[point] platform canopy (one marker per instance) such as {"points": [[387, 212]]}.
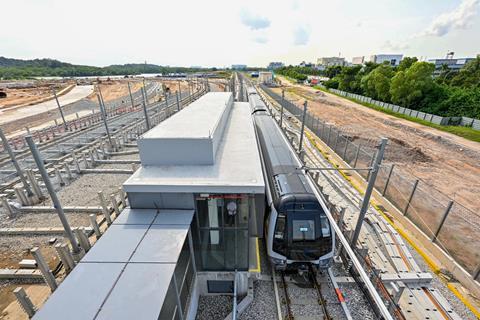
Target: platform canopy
{"points": [[126, 275], [209, 147]]}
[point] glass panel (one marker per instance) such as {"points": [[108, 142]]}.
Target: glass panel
{"points": [[230, 248], [280, 227], [242, 249], [212, 253], [325, 225], [303, 230]]}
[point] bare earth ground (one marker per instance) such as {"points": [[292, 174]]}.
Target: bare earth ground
{"points": [[443, 160], [33, 95], [114, 89]]}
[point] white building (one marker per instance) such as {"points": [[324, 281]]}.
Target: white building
{"points": [[358, 60], [392, 59], [265, 77], [330, 61]]}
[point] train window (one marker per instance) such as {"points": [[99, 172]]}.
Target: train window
{"points": [[325, 225], [280, 227], [303, 230]]}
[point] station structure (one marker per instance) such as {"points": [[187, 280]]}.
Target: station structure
{"points": [[195, 214]]}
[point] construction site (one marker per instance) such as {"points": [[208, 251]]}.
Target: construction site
{"points": [[152, 198]]}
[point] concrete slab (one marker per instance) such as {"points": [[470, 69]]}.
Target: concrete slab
{"points": [[135, 298], [81, 294], [161, 244], [116, 245]]}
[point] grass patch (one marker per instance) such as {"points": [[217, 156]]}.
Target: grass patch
{"points": [[464, 132]]}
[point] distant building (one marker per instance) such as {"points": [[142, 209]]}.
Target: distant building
{"points": [[275, 65], [330, 62], [239, 66], [392, 59], [265, 77], [454, 64], [306, 64], [358, 60]]}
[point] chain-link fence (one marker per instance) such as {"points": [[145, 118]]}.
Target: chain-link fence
{"points": [[446, 222]]}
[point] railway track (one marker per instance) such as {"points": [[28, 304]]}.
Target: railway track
{"points": [[303, 295]]}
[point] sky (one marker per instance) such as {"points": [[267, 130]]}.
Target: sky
{"points": [[224, 32]]}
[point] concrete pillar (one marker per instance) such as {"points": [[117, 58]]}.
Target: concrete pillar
{"points": [[122, 197], [113, 199], [24, 301], [7, 206], [59, 176], [68, 254], [82, 238], [95, 226], [77, 165], [68, 171], [106, 211], [34, 183], [65, 261], [84, 159], [21, 196], [44, 269]]}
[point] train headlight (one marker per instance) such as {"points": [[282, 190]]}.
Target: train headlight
{"points": [[279, 261]]}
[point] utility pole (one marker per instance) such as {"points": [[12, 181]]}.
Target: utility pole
{"points": [[281, 108], [104, 118], [60, 109], [144, 93], [7, 147], [300, 145], [53, 195], [368, 192], [130, 93]]}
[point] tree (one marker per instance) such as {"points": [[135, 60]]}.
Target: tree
{"points": [[332, 71], [348, 79], [406, 63], [409, 88], [376, 84], [469, 76]]}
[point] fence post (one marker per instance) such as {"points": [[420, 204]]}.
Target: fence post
{"points": [[388, 179], [336, 141], [370, 165], [410, 198], [476, 274], [24, 301], [345, 150], [444, 217], [328, 137], [178, 102], [300, 144], [281, 108]]}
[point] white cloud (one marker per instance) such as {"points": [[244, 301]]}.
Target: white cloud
{"points": [[301, 35], [459, 18], [260, 39], [395, 46], [254, 22]]}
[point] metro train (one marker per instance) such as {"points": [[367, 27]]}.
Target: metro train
{"points": [[296, 229]]}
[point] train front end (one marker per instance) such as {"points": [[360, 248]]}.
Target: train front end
{"points": [[300, 233]]}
